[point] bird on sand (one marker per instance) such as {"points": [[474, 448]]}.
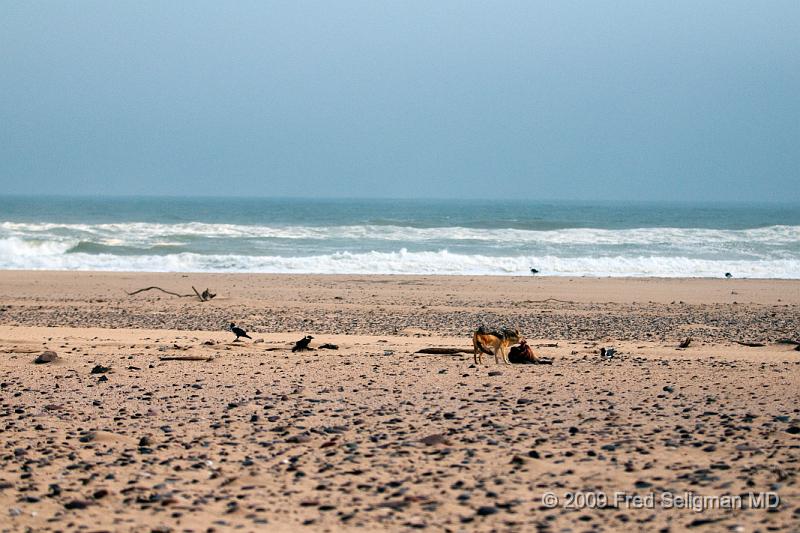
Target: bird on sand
{"points": [[302, 344], [728, 275], [239, 332], [534, 271]]}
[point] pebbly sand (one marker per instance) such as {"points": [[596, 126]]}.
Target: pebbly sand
{"points": [[374, 436]]}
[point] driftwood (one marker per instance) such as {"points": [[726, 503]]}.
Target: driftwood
{"points": [[548, 300], [205, 296], [185, 358], [159, 289], [20, 350], [686, 343], [751, 344], [537, 361], [444, 351], [547, 345]]}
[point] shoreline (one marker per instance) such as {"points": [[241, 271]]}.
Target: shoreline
{"points": [[391, 275]]}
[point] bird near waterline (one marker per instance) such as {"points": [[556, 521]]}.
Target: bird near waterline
{"points": [[239, 332], [534, 271]]}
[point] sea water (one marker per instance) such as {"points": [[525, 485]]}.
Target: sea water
{"points": [[494, 237]]}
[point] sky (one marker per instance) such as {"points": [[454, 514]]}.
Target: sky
{"points": [[616, 100]]}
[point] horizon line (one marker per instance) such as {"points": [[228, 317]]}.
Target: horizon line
{"points": [[123, 196]]}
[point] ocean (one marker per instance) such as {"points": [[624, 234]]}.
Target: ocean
{"points": [[487, 237]]}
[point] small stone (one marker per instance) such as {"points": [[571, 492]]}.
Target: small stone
{"points": [[46, 357], [487, 510], [432, 440], [495, 373], [88, 436], [76, 504], [793, 430], [100, 369]]}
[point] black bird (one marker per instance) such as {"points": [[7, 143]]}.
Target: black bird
{"points": [[728, 275], [302, 344], [239, 332], [534, 271]]}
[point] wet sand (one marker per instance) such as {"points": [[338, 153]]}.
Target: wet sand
{"points": [[374, 436]]}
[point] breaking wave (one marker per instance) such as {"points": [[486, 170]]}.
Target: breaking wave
{"points": [[767, 252]]}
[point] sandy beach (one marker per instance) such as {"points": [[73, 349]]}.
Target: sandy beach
{"points": [[375, 436]]}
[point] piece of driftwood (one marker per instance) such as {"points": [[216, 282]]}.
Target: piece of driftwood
{"points": [[547, 345], [159, 289], [205, 296], [20, 350], [185, 358], [444, 351], [686, 343], [329, 346], [751, 344]]}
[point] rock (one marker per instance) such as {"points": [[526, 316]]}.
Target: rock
{"points": [[89, 436], [495, 373], [487, 510], [433, 440], [145, 441], [76, 504], [793, 430], [46, 357], [668, 388], [100, 369], [329, 346]]}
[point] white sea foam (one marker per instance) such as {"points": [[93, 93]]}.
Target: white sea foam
{"points": [[768, 252], [18, 254], [146, 233]]}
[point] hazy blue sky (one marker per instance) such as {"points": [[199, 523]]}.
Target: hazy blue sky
{"points": [[557, 99]]}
